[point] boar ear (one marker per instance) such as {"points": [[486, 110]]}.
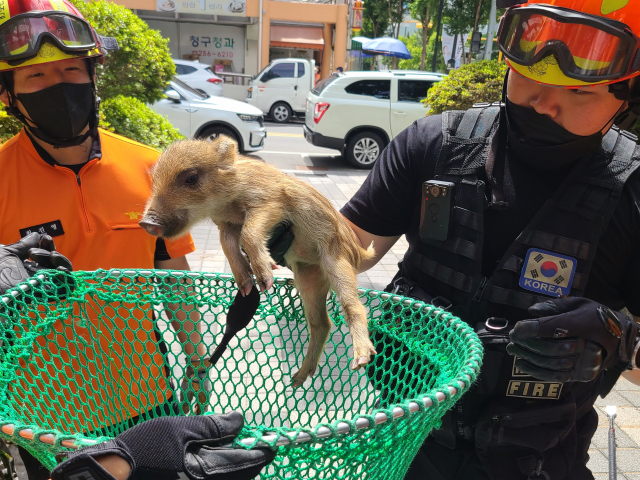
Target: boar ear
{"points": [[226, 150]]}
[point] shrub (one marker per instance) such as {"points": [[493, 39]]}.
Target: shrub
{"points": [[143, 65], [133, 119], [473, 83], [9, 126]]}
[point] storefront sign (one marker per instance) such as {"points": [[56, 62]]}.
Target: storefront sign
{"points": [[213, 42], [204, 7]]}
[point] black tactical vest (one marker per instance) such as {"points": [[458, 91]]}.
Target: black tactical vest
{"points": [[569, 225]]}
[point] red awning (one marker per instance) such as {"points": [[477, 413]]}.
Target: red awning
{"points": [[297, 37]]}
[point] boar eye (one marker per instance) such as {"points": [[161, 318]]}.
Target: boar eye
{"points": [[191, 179]]}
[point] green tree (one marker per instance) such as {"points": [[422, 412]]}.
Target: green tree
{"points": [[460, 16], [424, 11], [375, 18], [133, 119], [143, 66], [9, 125], [414, 45], [477, 82]]}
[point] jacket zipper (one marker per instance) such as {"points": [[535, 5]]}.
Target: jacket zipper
{"points": [[478, 295], [82, 201], [81, 193]]}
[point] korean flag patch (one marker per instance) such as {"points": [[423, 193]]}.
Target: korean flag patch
{"points": [[547, 272]]}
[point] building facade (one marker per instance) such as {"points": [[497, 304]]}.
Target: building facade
{"points": [[235, 36]]}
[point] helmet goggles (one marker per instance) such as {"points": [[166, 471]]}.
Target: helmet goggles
{"points": [[588, 48], [22, 36]]}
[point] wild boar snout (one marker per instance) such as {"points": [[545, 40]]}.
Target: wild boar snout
{"points": [[153, 225]]}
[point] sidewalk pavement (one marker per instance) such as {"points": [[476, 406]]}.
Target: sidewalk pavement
{"points": [[338, 187]]}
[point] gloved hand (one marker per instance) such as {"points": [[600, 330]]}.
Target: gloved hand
{"points": [[23, 259], [279, 242], [161, 448], [572, 340], [195, 384]]}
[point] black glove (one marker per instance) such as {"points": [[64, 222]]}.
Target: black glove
{"points": [[23, 259], [572, 340], [160, 448], [279, 242]]}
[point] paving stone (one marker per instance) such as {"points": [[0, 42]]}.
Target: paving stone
{"points": [[628, 459], [633, 433], [623, 440], [598, 463], [614, 398]]}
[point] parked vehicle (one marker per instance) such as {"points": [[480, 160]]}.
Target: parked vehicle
{"points": [[197, 115], [358, 113], [199, 76], [280, 89]]}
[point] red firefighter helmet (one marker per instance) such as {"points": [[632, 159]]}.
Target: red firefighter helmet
{"points": [[33, 32], [573, 43]]}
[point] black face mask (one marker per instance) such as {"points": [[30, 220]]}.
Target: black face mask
{"points": [[537, 140], [61, 111]]}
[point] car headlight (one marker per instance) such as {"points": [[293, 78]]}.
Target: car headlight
{"points": [[249, 118]]}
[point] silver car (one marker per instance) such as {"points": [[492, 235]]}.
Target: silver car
{"points": [[197, 115]]}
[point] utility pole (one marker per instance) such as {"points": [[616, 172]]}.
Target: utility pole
{"points": [[488, 46], [438, 28]]}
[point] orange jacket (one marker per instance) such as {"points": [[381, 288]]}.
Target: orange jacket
{"points": [[98, 210]]}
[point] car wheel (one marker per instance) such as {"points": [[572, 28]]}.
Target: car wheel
{"points": [[280, 112], [211, 133], [364, 149]]}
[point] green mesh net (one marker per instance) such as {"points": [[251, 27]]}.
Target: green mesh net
{"points": [[85, 356]]}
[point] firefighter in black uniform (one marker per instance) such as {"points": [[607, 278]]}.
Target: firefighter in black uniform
{"points": [[541, 250]]}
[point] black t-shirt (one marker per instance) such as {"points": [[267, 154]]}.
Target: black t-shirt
{"points": [[388, 204]]}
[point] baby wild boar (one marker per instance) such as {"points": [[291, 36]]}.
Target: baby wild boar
{"points": [[246, 199]]}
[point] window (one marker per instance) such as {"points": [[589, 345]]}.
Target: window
{"points": [[324, 83], [300, 70], [184, 86], [280, 70], [413, 90], [371, 88], [185, 69]]}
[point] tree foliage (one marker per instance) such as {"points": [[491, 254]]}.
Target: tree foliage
{"points": [[375, 18], [473, 83], [143, 65], [9, 125], [424, 11], [414, 45], [133, 119]]}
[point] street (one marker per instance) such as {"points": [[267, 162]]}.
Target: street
{"points": [[286, 148]]}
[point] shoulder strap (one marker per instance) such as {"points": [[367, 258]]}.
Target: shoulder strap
{"points": [[478, 120], [466, 138]]}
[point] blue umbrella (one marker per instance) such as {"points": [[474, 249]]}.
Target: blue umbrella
{"points": [[361, 39], [390, 47]]}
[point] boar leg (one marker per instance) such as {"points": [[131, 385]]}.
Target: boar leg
{"points": [[257, 225], [230, 241], [342, 278], [313, 287]]}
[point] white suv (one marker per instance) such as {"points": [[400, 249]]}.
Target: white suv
{"points": [[359, 113]]}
